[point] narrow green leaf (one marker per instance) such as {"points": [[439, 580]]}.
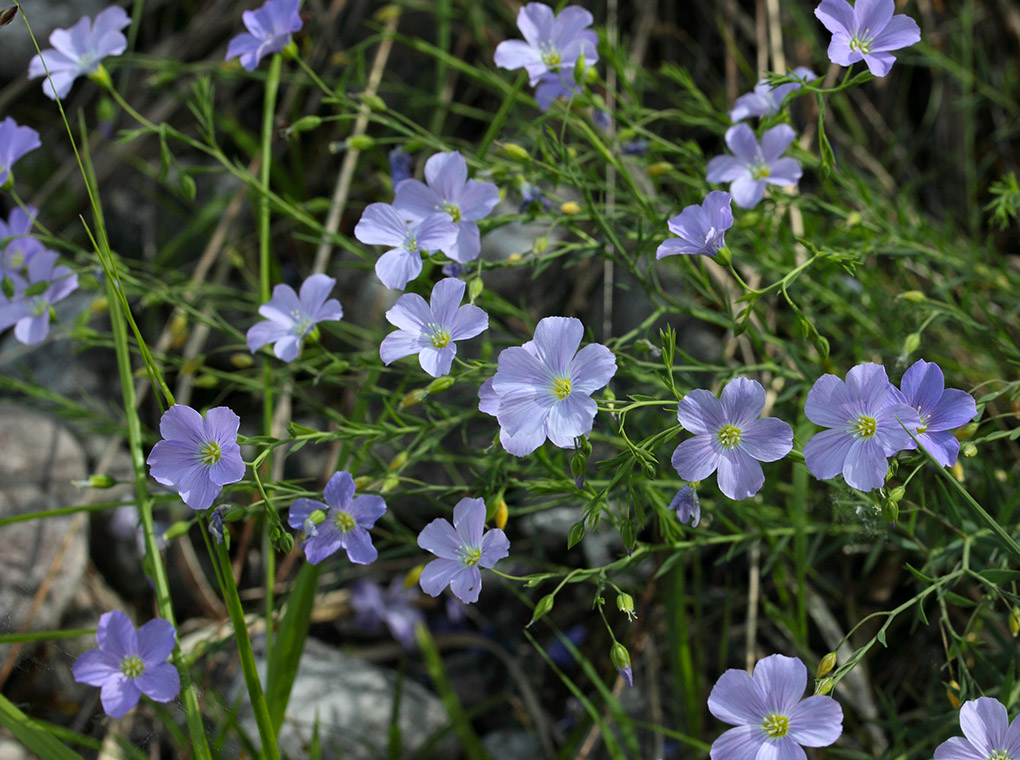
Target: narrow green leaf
{"points": [[32, 734], [290, 642]]}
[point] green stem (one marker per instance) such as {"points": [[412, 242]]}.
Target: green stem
{"points": [[270, 750]]}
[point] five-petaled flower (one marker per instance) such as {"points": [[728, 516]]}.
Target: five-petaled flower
{"points": [[542, 389], [129, 663], [432, 329], [989, 733], [771, 719], [687, 505], [730, 438], [289, 318], [197, 456], [348, 518], [924, 387], [15, 141], [700, 229], [36, 282], [553, 43], [867, 425], [767, 100], [79, 51], [393, 606], [866, 32], [462, 548], [269, 31], [752, 166], [448, 190], [408, 236]]}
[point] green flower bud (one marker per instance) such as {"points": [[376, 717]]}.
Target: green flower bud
{"points": [[826, 665], [914, 296], [824, 686], [911, 344], [890, 511], [619, 656], [177, 530], [440, 384], [360, 142], [516, 152], [968, 449], [580, 69], [304, 124], [543, 608], [102, 77], [372, 101], [1014, 621], [897, 493], [475, 288], [724, 256]]}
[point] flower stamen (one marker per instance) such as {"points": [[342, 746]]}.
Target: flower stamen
{"points": [[470, 556], [210, 454], [452, 209], [344, 522], [132, 666], [729, 436], [561, 387], [864, 427], [776, 726]]}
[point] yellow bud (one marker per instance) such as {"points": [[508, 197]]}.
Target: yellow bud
{"points": [[659, 168], [100, 305], [540, 244], [571, 153], [824, 686], [398, 461], [1014, 621], [387, 13], [966, 431], [952, 693], [826, 665], [516, 152], [514, 258], [102, 77], [968, 449], [192, 366], [413, 397], [411, 579], [570, 208], [592, 75], [178, 330], [957, 471], [853, 219], [361, 481], [499, 517], [241, 360], [390, 482], [914, 296]]}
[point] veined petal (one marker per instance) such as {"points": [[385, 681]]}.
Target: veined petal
{"points": [[339, 491], [397, 267], [828, 403], [324, 544], [735, 699], [767, 440], [263, 333], [488, 399], [826, 452], [879, 64], [524, 442], [182, 423], [160, 683], [740, 743], [836, 16], [283, 306], [366, 509], [358, 544], [477, 200], [469, 521], [520, 371], [437, 574], [468, 322], [592, 368], [556, 341], [314, 292], [873, 15], [446, 174], [785, 171], [523, 413], [415, 200], [381, 224], [95, 667], [516, 54], [954, 409], [445, 300], [781, 681], [922, 385], [301, 510], [742, 143], [743, 400], [739, 476], [569, 23], [119, 695], [410, 313], [467, 245], [957, 748], [156, 641], [816, 721], [467, 584], [747, 192], [535, 20], [725, 169], [401, 343], [440, 538], [702, 413], [437, 361], [495, 546], [775, 141], [984, 722], [866, 464], [902, 31], [696, 458], [569, 418]]}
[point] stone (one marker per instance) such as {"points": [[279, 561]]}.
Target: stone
{"points": [[38, 460]]}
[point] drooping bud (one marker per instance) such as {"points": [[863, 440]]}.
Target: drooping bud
{"points": [[543, 608], [620, 658], [953, 694], [1014, 621], [687, 506]]}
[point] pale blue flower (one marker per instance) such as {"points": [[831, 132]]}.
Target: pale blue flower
{"points": [[349, 519], [289, 318], [79, 51], [269, 31]]}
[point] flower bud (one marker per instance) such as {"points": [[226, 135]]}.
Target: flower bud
{"points": [[289, 51], [475, 288], [102, 77], [176, 530], [413, 397], [570, 208], [440, 384], [500, 516], [304, 124], [957, 470], [826, 665], [724, 256], [413, 576], [241, 360], [966, 431], [659, 168], [390, 482], [540, 244], [912, 343], [543, 608], [398, 461], [953, 694], [96, 481], [890, 511], [620, 658], [625, 604], [284, 543], [362, 481], [317, 517], [968, 449], [580, 69], [360, 142], [374, 102], [516, 152], [7, 15], [824, 686], [1014, 621], [914, 296], [897, 494]]}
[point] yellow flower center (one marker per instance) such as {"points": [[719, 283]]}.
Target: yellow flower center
{"points": [[923, 427], [344, 522], [1000, 754], [210, 454], [861, 43], [729, 436], [776, 726], [410, 243], [561, 387], [550, 55], [452, 209], [864, 427], [760, 172], [440, 338], [132, 666], [470, 556]]}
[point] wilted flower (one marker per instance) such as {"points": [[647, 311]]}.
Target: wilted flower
{"points": [[866, 32], [543, 388], [553, 42], [382, 224], [700, 229], [400, 165], [395, 607], [269, 31], [289, 318], [553, 85], [730, 438], [129, 663], [462, 548], [30, 314], [15, 142], [197, 456], [767, 100], [448, 190], [79, 51], [687, 505], [348, 520], [770, 717], [990, 735], [923, 387], [865, 421], [752, 166], [432, 329]]}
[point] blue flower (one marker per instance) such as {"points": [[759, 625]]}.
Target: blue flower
{"points": [[79, 51], [752, 166], [289, 318], [348, 520], [15, 142], [700, 229], [269, 31]]}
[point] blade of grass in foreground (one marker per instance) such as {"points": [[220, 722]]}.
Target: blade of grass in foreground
{"points": [[32, 735]]}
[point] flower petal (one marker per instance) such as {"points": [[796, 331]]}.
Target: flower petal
{"points": [[775, 141], [438, 574], [866, 464], [826, 452], [696, 458], [873, 15], [445, 299], [339, 491], [836, 15], [954, 409], [828, 403], [901, 31], [984, 722], [359, 547], [781, 681], [382, 224], [300, 511], [957, 749], [556, 341], [477, 200], [816, 722], [95, 667], [315, 290], [767, 440], [725, 169], [741, 743], [747, 192], [469, 521], [156, 641], [119, 695], [324, 544], [366, 509], [446, 175], [570, 418], [742, 143], [437, 361], [468, 322], [397, 267], [702, 413], [742, 400], [116, 635], [735, 699], [400, 343], [740, 476], [182, 423], [467, 584], [495, 546], [440, 538], [160, 683], [592, 368]]}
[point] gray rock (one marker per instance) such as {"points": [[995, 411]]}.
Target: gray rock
{"points": [[12, 750], [38, 460], [353, 701]]}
